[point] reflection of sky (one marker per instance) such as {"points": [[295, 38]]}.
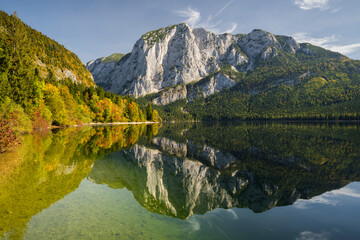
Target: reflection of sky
{"points": [[307, 235], [333, 197], [332, 215]]}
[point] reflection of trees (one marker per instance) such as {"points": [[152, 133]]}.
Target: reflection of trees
{"points": [[253, 166], [45, 168]]}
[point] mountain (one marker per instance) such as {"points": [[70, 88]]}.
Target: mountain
{"points": [[179, 54], [193, 169], [191, 71], [48, 56], [42, 84]]}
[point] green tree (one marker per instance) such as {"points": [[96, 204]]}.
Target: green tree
{"points": [[20, 67], [149, 111]]}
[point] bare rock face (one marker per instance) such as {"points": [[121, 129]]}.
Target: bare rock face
{"points": [[207, 86], [100, 70], [179, 54], [171, 95]]}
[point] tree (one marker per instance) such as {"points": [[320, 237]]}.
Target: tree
{"points": [[19, 65], [149, 112], [156, 117]]}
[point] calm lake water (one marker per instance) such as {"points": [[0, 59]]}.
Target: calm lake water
{"points": [[184, 181]]}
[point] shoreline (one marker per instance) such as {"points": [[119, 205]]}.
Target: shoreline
{"points": [[198, 121], [101, 124]]}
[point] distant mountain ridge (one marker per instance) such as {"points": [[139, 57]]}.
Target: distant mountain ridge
{"points": [[197, 74], [179, 54]]}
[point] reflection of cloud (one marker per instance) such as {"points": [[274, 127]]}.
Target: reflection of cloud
{"points": [[307, 235], [223, 233], [194, 224], [311, 4], [303, 204], [233, 213], [327, 42], [328, 198], [346, 191], [193, 18]]}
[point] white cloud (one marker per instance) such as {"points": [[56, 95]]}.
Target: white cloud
{"points": [[192, 16], [232, 29], [328, 43], [223, 8], [345, 49], [335, 10], [311, 4], [194, 19], [304, 37]]}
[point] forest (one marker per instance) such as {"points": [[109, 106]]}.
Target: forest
{"points": [[36, 93], [322, 86]]}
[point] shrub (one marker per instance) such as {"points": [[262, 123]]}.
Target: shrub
{"points": [[13, 122]]}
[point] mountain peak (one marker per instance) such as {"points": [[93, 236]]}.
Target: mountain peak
{"points": [[159, 34], [179, 54]]}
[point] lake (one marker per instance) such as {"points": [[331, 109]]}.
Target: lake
{"points": [[184, 181]]}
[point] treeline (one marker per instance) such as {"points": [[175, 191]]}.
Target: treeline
{"points": [[28, 100]]}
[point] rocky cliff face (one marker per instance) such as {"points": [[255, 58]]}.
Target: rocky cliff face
{"points": [[180, 54], [207, 86]]}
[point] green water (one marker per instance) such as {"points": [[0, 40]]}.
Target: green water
{"points": [[184, 181]]}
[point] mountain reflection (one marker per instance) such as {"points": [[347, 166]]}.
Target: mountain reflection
{"points": [[179, 169], [47, 167], [197, 168]]}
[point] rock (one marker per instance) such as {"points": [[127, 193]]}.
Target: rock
{"points": [[179, 54], [171, 95], [70, 74], [207, 86]]}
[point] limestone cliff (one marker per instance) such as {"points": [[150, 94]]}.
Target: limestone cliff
{"points": [[179, 54]]}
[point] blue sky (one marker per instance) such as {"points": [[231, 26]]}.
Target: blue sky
{"points": [[97, 28]]}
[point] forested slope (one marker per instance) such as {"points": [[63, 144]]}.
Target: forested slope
{"points": [[322, 85], [42, 84]]}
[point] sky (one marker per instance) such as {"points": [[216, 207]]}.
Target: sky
{"points": [[98, 28]]}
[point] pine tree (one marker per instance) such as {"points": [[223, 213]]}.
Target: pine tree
{"points": [[149, 111], [20, 69]]}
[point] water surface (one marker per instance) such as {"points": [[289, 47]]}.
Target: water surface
{"points": [[184, 181]]}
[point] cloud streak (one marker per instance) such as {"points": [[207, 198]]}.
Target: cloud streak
{"points": [[223, 8], [311, 4], [193, 18], [328, 42]]}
